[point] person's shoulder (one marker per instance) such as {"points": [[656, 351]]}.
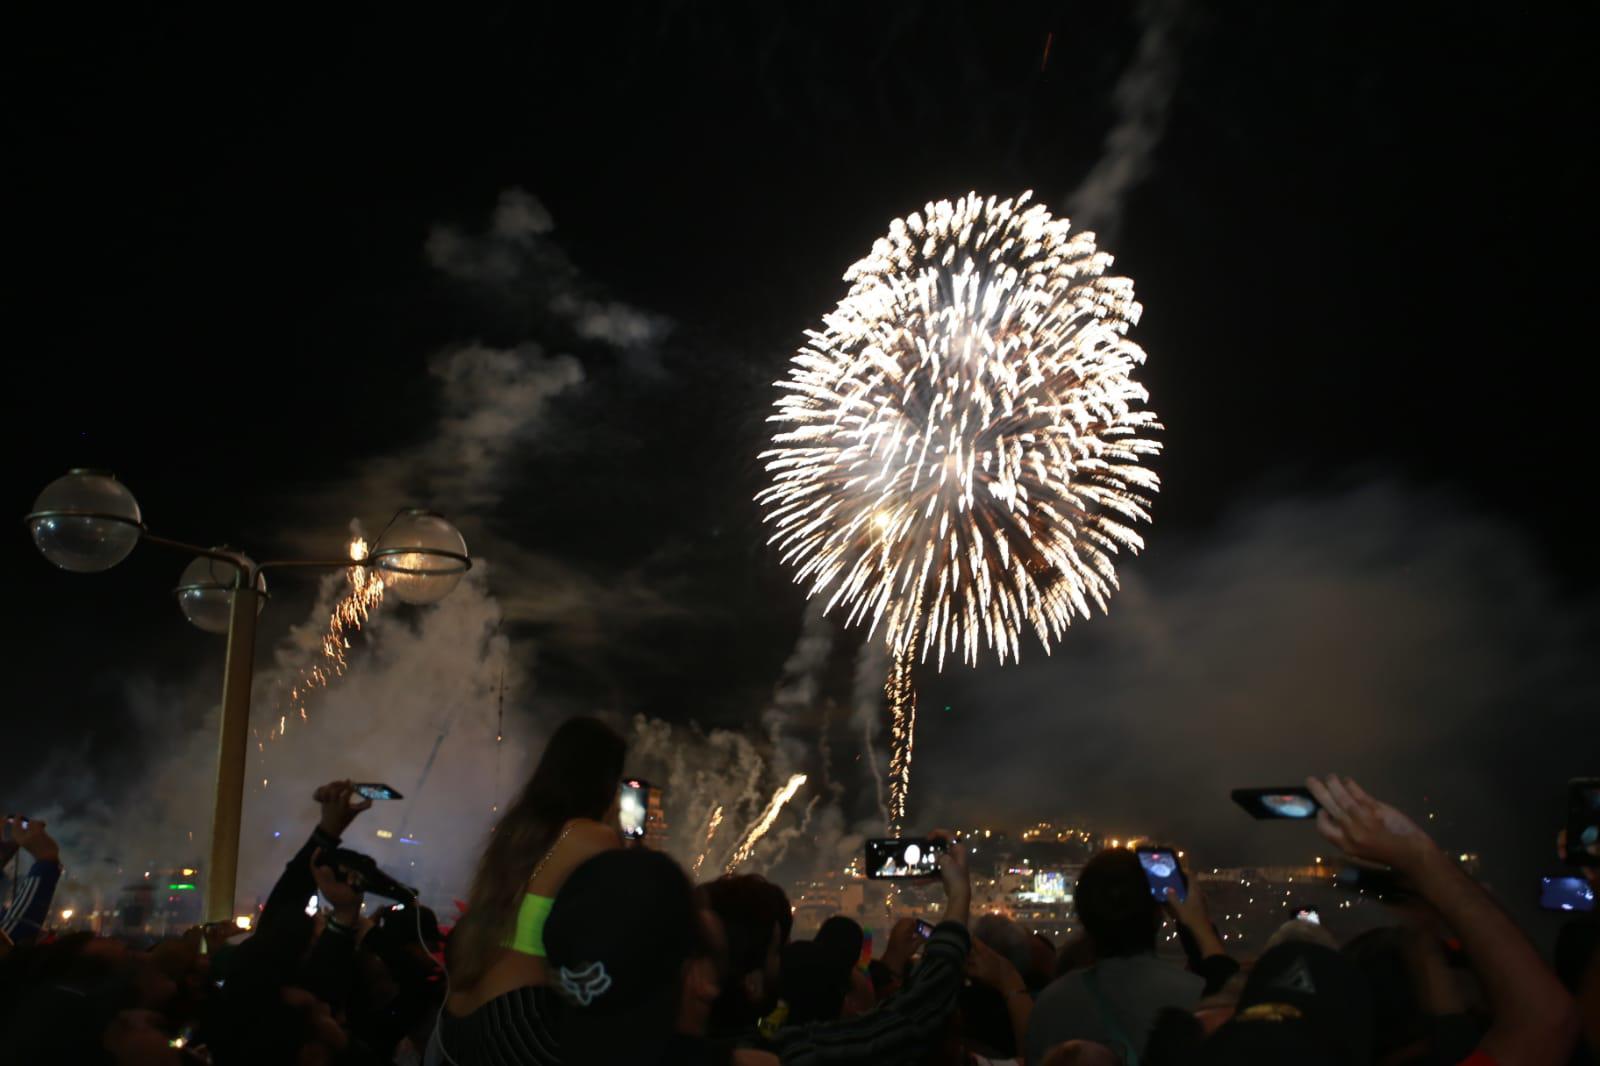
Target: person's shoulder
{"points": [[1155, 977], [586, 834], [1063, 990]]}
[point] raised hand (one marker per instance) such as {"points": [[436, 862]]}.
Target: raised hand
{"points": [[953, 872], [343, 897], [339, 806], [987, 966], [1191, 910], [1367, 829], [36, 842]]}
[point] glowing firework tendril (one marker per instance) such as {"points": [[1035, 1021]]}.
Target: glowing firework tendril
{"points": [[960, 448], [758, 830], [711, 831], [349, 614]]}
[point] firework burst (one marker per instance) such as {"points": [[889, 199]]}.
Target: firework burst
{"points": [[960, 449]]}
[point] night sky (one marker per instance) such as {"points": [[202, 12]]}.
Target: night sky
{"points": [[242, 251]]}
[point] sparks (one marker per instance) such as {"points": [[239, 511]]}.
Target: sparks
{"points": [[711, 831], [764, 823], [902, 698], [350, 613]]}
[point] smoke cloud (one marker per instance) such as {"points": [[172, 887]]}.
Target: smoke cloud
{"points": [[1141, 99], [1383, 631], [516, 256]]}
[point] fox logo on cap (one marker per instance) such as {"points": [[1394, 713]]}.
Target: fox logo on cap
{"points": [[584, 985]]}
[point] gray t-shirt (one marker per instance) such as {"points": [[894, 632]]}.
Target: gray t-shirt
{"points": [[1136, 989]]}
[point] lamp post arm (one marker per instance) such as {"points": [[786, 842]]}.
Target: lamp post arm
{"points": [[238, 559], [311, 564]]}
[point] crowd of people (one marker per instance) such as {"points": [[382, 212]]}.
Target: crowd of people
{"points": [[573, 948]]}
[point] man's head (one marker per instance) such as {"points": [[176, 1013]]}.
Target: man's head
{"points": [[756, 919], [1114, 903], [1007, 938], [620, 942]]}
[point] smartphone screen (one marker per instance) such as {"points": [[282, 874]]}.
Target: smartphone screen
{"points": [[633, 808], [374, 790], [1583, 821], [1566, 894], [924, 929], [1287, 802], [1309, 914], [1161, 869], [904, 858]]}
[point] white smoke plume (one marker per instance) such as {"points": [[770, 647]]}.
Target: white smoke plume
{"points": [[796, 697], [1142, 99], [867, 712], [516, 250]]}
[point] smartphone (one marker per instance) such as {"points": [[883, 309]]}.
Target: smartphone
{"points": [[1161, 869], [1583, 821], [373, 790], [1264, 803], [633, 809], [1566, 894], [1308, 914], [924, 929], [914, 858], [1384, 885]]}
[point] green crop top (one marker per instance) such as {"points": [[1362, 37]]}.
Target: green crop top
{"points": [[529, 935]]}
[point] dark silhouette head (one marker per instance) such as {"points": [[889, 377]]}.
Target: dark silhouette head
{"points": [[1114, 903]]}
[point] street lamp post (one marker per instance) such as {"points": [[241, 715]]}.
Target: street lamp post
{"points": [[87, 521]]}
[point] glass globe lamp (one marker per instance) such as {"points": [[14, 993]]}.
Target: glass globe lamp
{"points": [[205, 591], [421, 557], [85, 521]]}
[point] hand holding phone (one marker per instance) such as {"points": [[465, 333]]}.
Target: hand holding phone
{"points": [[375, 790], [340, 804], [1162, 871], [924, 929]]}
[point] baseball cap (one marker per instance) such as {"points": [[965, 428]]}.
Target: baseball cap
{"points": [[618, 935], [1303, 1003]]}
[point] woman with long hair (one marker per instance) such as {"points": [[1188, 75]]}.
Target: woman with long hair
{"points": [[500, 1009]]}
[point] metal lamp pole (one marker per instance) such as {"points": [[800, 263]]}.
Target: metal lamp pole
{"points": [[87, 522]]}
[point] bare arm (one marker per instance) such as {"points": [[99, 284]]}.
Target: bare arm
{"points": [[1535, 1021], [957, 882]]}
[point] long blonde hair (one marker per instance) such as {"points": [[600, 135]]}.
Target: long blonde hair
{"points": [[576, 778]]}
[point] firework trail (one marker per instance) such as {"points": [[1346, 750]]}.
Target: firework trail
{"points": [[960, 448], [350, 613], [758, 830], [711, 831], [902, 699]]}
